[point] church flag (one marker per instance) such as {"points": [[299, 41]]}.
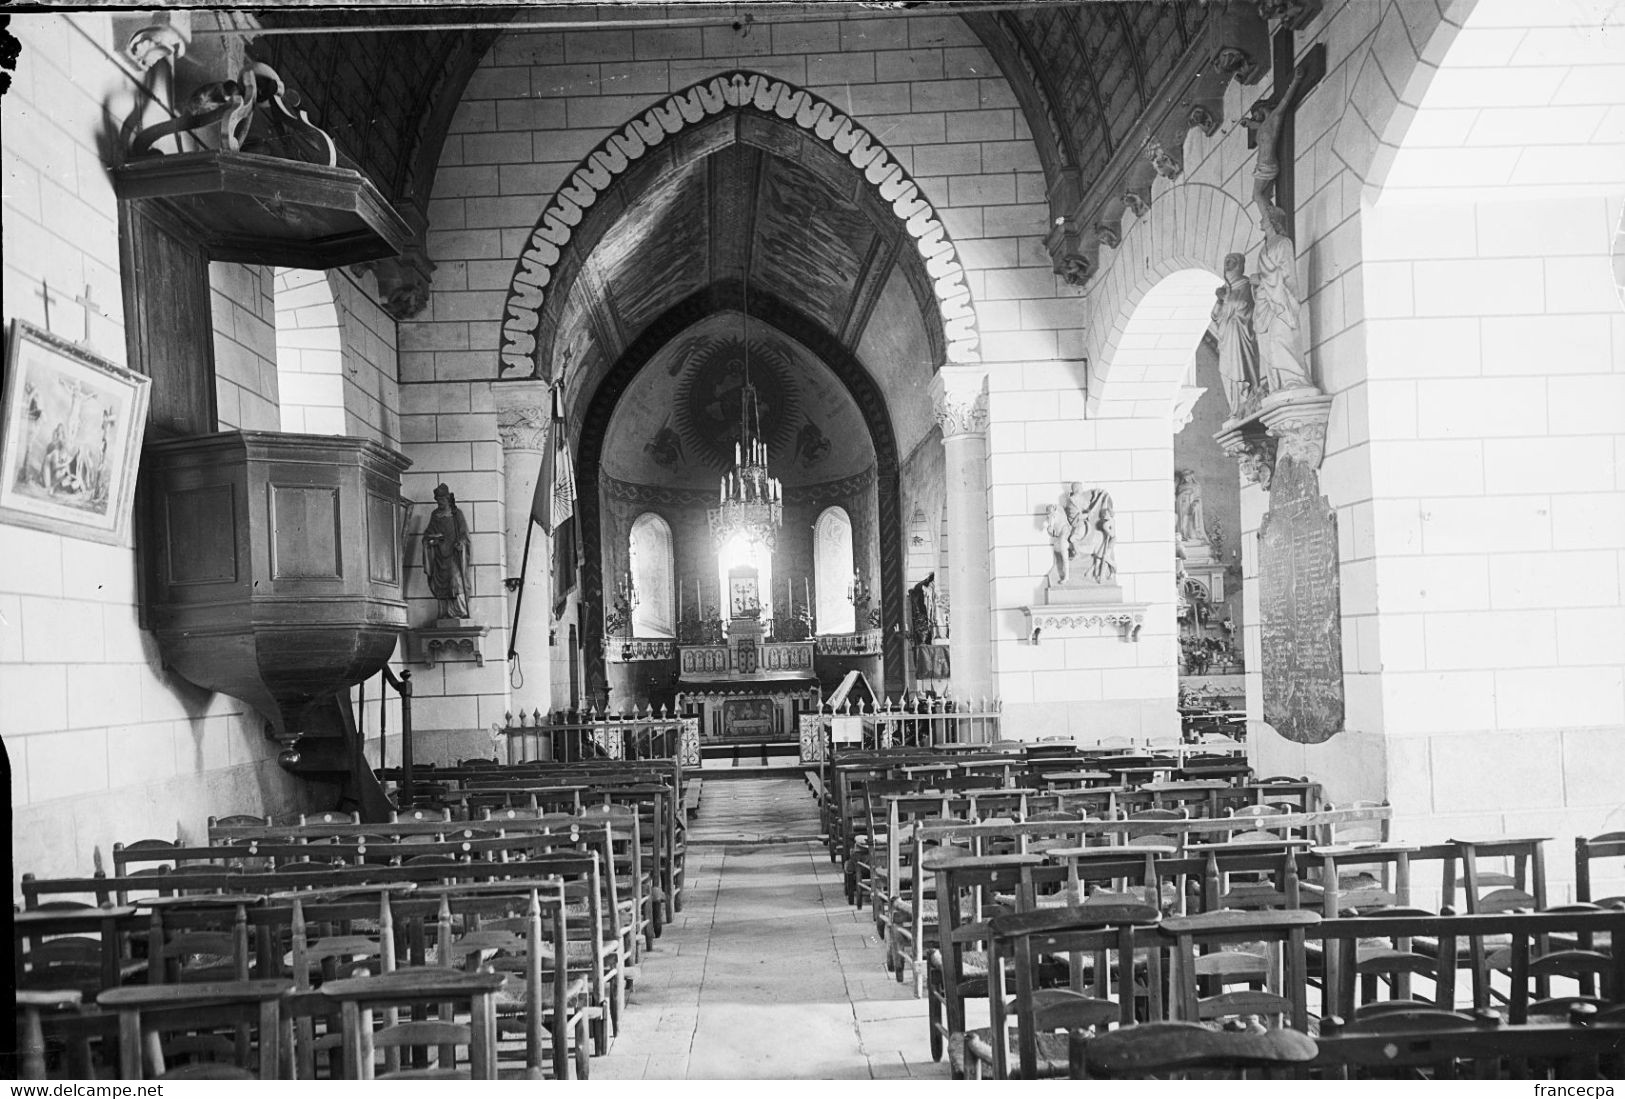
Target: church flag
{"points": [[555, 497]]}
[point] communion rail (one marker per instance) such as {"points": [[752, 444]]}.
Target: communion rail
{"points": [[556, 738]]}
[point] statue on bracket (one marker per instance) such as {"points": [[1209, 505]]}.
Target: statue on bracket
{"points": [[447, 551], [1232, 328], [1093, 532], [1278, 319], [1082, 533]]}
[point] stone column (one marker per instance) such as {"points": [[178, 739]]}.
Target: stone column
{"points": [[523, 409], [959, 397]]}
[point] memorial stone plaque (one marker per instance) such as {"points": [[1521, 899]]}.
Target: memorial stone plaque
{"points": [[1302, 650]]}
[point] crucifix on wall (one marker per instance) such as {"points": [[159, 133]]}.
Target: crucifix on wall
{"points": [[1270, 126]]}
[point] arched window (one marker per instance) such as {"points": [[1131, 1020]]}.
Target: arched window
{"points": [[309, 353], [832, 562], [651, 563]]}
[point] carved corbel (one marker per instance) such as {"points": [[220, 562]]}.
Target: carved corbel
{"points": [[1137, 201], [1108, 235], [1204, 117], [404, 281], [154, 43], [1165, 157], [1073, 253], [1295, 14], [1241, 44]]}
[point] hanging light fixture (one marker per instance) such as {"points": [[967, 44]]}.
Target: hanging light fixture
{"points": [[750, 503]]}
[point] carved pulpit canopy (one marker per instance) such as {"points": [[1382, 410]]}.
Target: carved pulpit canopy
{"points": [[241, 165]]}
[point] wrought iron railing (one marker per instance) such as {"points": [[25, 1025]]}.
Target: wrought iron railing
{"points": [[601, 735], [916, 721]]}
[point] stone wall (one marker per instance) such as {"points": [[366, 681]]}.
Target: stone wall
{"points": [[539, 102], [105, 745], [1470, 338]]}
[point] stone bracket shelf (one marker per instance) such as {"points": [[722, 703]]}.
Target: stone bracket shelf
{"points": [[1291, 423], [446, 644], [1125, 619]]}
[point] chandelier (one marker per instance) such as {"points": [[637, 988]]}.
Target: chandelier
{"points": [[750, 503]]}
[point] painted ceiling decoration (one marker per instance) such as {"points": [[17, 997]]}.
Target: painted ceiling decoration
{"points": [[678, 420]]}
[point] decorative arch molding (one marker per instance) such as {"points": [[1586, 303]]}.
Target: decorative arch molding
{"points": [[734, 91], [1150, 303], [864, 390]]}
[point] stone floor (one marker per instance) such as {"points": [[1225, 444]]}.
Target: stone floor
{"points": [[767, 973]]}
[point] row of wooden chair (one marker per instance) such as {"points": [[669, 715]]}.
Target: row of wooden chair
{"points": [[328, 944], [991, 921], [1076, 1029], [192, 890]]}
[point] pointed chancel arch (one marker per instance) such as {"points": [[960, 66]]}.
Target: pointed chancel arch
{"points": [[547, 265], [866, 394]]}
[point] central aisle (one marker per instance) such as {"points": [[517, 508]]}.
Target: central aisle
{"points": [[767, 973]]}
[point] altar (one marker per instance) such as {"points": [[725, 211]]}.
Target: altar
{"points": [[747, 689]]}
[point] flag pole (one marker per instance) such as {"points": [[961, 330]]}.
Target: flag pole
{"points": [[519, 593]]}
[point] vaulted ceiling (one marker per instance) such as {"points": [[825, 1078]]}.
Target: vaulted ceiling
{"points": [[769, 209], [1083, 72]]}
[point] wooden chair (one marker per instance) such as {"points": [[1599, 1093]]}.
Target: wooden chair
{"points": [[358, 997], [1445, 1045], [911, 914], [32, 1007], [1294, 793], [1222, 948], [957, 970], [1173, 1049], [520, 929], [870, 872], [1375, 973], [1348, 878], [1519, 885], [1170, 838], [197, 1011], [200, 938], [1027, 938], [1608, 845], [319, 935]]}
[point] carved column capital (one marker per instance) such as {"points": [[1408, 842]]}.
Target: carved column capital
{"points": [[523, 410], [959, 399]]}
